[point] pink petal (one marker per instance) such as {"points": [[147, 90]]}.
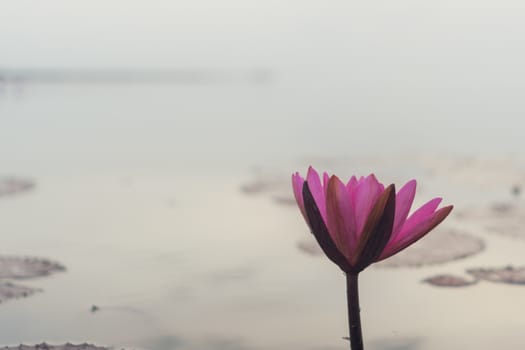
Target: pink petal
{"points": [[326, 178], [297, 184], [404, 199], [377, 231], [410, 237], [365, 196], [340, 215], [418, 218], [352, 183], [415, 223], [314, 183]]}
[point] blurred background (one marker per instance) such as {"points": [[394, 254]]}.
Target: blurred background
{"points": [[147, 147]]}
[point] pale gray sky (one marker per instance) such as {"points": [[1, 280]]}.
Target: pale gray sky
{"points": [[413, 71], [426, 38]]}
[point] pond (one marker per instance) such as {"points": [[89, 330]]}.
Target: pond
{"points": [[169, 209]]}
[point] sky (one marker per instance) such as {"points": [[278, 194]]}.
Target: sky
{"points": [[452, 66], [429, 37]]}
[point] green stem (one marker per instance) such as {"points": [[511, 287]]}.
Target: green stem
{"points": [[354, 319]]}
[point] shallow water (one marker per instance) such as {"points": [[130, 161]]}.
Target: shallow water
{"points": [[139, 194]]}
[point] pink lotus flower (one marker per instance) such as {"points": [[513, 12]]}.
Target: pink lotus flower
{"points": [[361, 222]]}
